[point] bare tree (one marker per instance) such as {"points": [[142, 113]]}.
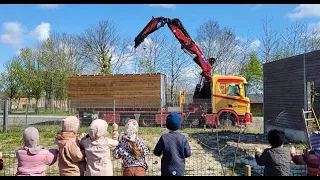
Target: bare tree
{"points": [[151, 54], [270, 41], [103, 47], [122, 58], [222, 44], [176, 63], [313, 41], [294, 38]]}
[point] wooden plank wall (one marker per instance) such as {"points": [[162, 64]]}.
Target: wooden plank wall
{"points": [[284, 93], [128, 91]]}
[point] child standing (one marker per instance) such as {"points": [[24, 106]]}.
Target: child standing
{"points": [[33, 159], [132, 151], [310, 158], [1, 161], [174, 147], [71, 158], [275, 159], [97, 148]]}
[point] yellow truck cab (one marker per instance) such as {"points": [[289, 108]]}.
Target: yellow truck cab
{"points": [[229, 100]]}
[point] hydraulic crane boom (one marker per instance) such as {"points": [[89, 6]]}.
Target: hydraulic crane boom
{"points": [[203, 89]]}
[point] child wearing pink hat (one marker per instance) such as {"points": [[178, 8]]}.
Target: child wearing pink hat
{"points": [[33, 159], [1, 161]]}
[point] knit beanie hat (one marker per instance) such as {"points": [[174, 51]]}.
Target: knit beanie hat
{"points": [[173, 122], [315, 142], [70, 124], [131, 130], [31, 140], [276, 137], [97, 129]]}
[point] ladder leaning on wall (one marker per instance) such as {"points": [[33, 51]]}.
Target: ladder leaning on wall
{"points": [[309, 117]]}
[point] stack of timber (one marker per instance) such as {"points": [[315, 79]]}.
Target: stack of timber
{"points": [[117, 91]]}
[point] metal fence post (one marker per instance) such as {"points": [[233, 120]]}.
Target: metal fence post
{"points": [[5, 116], [27, 109], [248, 170]]}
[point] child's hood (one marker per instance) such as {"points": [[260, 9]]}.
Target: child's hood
{"points": [[63, 137], [97, 129]]}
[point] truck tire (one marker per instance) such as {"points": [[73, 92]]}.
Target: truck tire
{"points": [[227, 119]]}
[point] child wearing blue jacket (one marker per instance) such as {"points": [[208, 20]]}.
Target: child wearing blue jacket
{"points": [[174, 148]]}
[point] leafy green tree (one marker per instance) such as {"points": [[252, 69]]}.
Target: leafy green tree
{"points": [[32, 76], [252, 71], [11, 82]]}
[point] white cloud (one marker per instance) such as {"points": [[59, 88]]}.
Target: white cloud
{"points": [[163, 5], [13, 34], [257, 6], [254, 45], [48, 6], [305, 10], [41, 32]]}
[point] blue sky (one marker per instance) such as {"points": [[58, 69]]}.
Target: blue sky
{"points": [[24, 25]]}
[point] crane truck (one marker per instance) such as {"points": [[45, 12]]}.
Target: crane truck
{"points": [[217, 99]]}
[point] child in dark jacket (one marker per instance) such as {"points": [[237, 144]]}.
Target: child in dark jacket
{"points": [[174, 147], [275, 159]]}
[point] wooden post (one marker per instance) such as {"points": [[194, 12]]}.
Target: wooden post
{"points": [[248, 170]]}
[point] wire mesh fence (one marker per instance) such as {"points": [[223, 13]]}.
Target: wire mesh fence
{"points": [[205, 161], [148, 112], [201, 163]]}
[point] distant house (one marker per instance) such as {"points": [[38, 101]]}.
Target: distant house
{"points": [[256, 103]]}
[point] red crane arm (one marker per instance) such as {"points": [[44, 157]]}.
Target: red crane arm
{"points": [[187, 44]]}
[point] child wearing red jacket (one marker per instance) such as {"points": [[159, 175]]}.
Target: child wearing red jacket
{"points": [[310, 158]]}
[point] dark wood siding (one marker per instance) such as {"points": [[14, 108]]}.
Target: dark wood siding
{"points": [[284, 92], [313, 66], [284, 89]]}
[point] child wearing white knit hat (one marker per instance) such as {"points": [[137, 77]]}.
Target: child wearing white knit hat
{"points": [[71, 158], [98, 148]]}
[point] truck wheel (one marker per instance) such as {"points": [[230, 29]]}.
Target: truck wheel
{"points": [[195, 123], [227, 119]]}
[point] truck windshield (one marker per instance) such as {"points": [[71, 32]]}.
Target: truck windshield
{"points": [[245, 89]]}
